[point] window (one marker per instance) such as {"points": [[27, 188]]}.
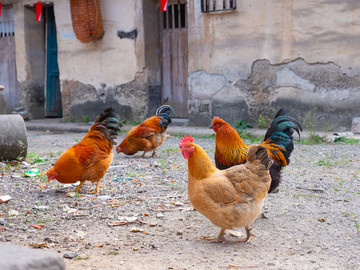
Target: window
{"points": [[6, 22], [217, 5], [174, 17]]}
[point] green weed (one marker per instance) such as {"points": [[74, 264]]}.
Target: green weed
{"points": [[313, 139], [345, 140], [241, 124], [85, 118]]}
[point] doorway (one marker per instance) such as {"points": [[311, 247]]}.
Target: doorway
{"points": [[53, 104], [174, 56], [8, 73]]}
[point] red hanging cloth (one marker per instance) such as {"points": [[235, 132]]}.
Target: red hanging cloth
{"points": [[163, 5], [38, 11]]}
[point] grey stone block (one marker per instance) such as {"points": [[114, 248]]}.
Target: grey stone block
{"points": [[355, 126], [22, 258]]}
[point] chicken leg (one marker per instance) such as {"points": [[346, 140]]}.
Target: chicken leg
{"points": [[220, 237], [249, 235], [96, 191]]}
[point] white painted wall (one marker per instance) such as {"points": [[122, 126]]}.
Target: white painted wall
{"points": [[318, 31]]}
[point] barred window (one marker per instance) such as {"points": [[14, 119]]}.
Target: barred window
{"points": [[6, 22], [217, 5]]}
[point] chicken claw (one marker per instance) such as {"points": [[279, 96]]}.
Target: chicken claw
{"points": [[249, 236], [219, 239], [96, 191]]}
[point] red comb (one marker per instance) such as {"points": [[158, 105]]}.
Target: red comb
{"points": [[185, 140]]}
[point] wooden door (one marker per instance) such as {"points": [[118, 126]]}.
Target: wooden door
{"points": [[53, 94], [8, 76], [174, 55]]}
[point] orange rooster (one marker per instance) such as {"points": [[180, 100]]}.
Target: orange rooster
{"points": [[232, 197], [148, 135], [231, 149], [89, 159]]}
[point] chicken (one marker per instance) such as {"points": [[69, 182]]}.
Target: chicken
{"points": [[89, 159], [231, 149], [148, 135], [232, 197]]}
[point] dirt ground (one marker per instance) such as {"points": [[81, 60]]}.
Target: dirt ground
{"points": [[142, 218]]}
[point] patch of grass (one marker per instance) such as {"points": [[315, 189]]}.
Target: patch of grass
{"points": [[261, 122], [77, 258], [67, 121], [241, 124], [130, 174], [357, 225], [322, 162], [170, 150], [131, 123], [204, 136], [85, 118], [245, 135], [32, 157], [313, 139], [345, 140]]}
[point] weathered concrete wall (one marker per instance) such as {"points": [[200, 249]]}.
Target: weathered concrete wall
{"points": [[95, 74], [310, 61]]}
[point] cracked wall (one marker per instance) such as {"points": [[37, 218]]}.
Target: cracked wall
{"points": [[319, 95]]}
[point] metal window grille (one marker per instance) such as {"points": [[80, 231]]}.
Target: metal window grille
{"points": [[217, 5], [174, 17], [6, 23]]}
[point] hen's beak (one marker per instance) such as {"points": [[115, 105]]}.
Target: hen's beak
{"points": [[210, 127]]}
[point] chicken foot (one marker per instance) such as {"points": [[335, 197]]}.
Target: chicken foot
{"points": [[77, 189], [153, 154], [96, 191], [219, 239], [249, 235]]}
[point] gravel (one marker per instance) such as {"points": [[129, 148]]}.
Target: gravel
{"points": [[142, 218]]}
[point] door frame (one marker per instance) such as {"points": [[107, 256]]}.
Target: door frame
{"points": [[174, 56]]}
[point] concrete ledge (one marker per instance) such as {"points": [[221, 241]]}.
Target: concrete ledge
{"points": [[23, 258]]}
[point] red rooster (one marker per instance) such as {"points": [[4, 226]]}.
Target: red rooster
{"points": [[148, 135], [231, 149], [89, 159]]}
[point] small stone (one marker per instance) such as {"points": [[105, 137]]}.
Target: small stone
{"points": [[179, 233], [179, 204], [3, 222], [160, 215], [70, 255], [104, 197]]}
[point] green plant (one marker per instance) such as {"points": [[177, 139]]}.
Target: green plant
{"points": [[322, 162], [82, 258], [308, 122], [345, 140], [313, 139], [245, 135], [85, 118], [357, 225], [261, 122], [241, 124]]}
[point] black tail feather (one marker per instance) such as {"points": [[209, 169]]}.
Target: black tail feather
{"points": [[108, 122], [165, 112], [281, 132]]}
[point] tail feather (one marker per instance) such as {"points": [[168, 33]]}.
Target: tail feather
{"points": [[108, 124], [280, 134], [164, 112]]}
